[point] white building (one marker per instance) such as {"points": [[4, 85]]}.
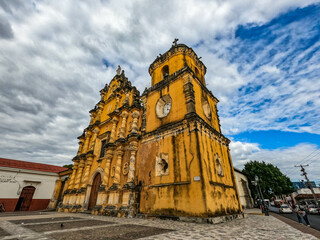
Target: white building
{"points": [[27, 186], [243, 189], [304, 195]]}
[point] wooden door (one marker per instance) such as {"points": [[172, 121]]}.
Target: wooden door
{"points": [[25, 198], [94, 191]]}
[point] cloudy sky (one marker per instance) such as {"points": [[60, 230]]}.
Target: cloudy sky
{"points": [[263, 61]]}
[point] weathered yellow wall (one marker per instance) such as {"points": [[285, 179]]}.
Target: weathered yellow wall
{"points": [[178, 107], [222, 196], [175, 193]]}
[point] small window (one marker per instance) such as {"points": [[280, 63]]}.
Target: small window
{"points": [[165, 71], [103, 145]]}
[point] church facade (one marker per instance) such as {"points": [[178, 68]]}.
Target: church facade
{"points": [[161, 153]]}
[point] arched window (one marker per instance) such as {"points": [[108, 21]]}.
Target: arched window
{"points": [[165, 71]]}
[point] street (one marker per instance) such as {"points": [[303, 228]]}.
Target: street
{"points": [[313, 219]]}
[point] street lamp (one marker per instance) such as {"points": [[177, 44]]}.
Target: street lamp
{"points": [[264, 207]]}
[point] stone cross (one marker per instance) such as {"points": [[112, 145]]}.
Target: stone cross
{"points": [[175, 41]]}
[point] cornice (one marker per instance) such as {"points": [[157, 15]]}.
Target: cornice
{"points": [[177, 49], [173, 77]]}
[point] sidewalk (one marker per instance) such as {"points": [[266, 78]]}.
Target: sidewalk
{"points": [[50, 226], [253, 211], [296, 225]]}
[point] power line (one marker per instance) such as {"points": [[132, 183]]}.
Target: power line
{"points": [[303, 160]]}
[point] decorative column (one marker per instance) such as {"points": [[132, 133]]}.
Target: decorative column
{"points": [[73, 175], [144, 114], [189, 94], [106, 171], [86, 143], [79, 174], [80, 147], [117, 102], [114, 129], [124, 116], [94, 137], [87, 171], [127, 99], [132, 163], [119, 153], [135, 115]]}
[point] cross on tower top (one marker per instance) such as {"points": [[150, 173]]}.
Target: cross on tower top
{"points": [[175, 41]]}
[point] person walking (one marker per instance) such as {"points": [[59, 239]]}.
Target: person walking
{"points": [[298, 212], [305, 216]]}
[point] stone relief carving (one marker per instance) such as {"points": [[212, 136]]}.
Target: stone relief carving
{"points": [[125, 169], [219, 165], [162, 164]]}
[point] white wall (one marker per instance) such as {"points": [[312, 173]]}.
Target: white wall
{"points": [[13, 180]]}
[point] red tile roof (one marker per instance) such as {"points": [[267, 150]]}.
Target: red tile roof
{"points": [[4, 162]]}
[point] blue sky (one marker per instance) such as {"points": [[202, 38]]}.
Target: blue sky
{"points": [[281, 61], [262, 58], [288, 44], [273, 139]]}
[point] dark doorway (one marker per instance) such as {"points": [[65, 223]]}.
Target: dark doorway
{"points": [[25, 199], [94, 191]]}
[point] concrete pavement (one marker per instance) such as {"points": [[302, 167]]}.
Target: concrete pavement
{"points": [[82, 226]]}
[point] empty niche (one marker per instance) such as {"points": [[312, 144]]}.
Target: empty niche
{"points": [[165, 71], [162, 165], [219, 165]]}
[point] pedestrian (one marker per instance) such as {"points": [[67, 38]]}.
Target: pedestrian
{"points": [[298, 212], [305, 216]]}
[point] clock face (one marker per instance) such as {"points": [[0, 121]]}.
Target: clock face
{"points": [[163, 106], [166, 108]]}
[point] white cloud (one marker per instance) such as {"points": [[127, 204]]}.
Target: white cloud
{"points": [[51, 68], [284, 158]]}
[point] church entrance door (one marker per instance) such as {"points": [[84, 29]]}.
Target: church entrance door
{"points": [[25, 198], [94, 191]]}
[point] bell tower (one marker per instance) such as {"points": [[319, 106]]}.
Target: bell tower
{"points": [[184, 164]]}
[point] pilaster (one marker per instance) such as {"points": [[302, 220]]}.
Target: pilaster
{"points": [[124, 116]]}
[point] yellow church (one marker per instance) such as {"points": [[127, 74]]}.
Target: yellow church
{"points": [[161, 153]]}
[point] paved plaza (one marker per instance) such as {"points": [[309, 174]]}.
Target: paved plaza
{"points": [[55, 225]]}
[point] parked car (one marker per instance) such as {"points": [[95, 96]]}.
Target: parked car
{"points": [[285, 208], [312, 209]]}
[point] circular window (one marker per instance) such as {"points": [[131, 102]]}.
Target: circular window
{"points": [[163, 106]]}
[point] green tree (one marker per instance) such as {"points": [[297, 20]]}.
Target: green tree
{"points": [[68, 166], [272, 181]]}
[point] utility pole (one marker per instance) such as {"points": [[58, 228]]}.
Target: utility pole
{"points": [[308, 182], [265, 209]]}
